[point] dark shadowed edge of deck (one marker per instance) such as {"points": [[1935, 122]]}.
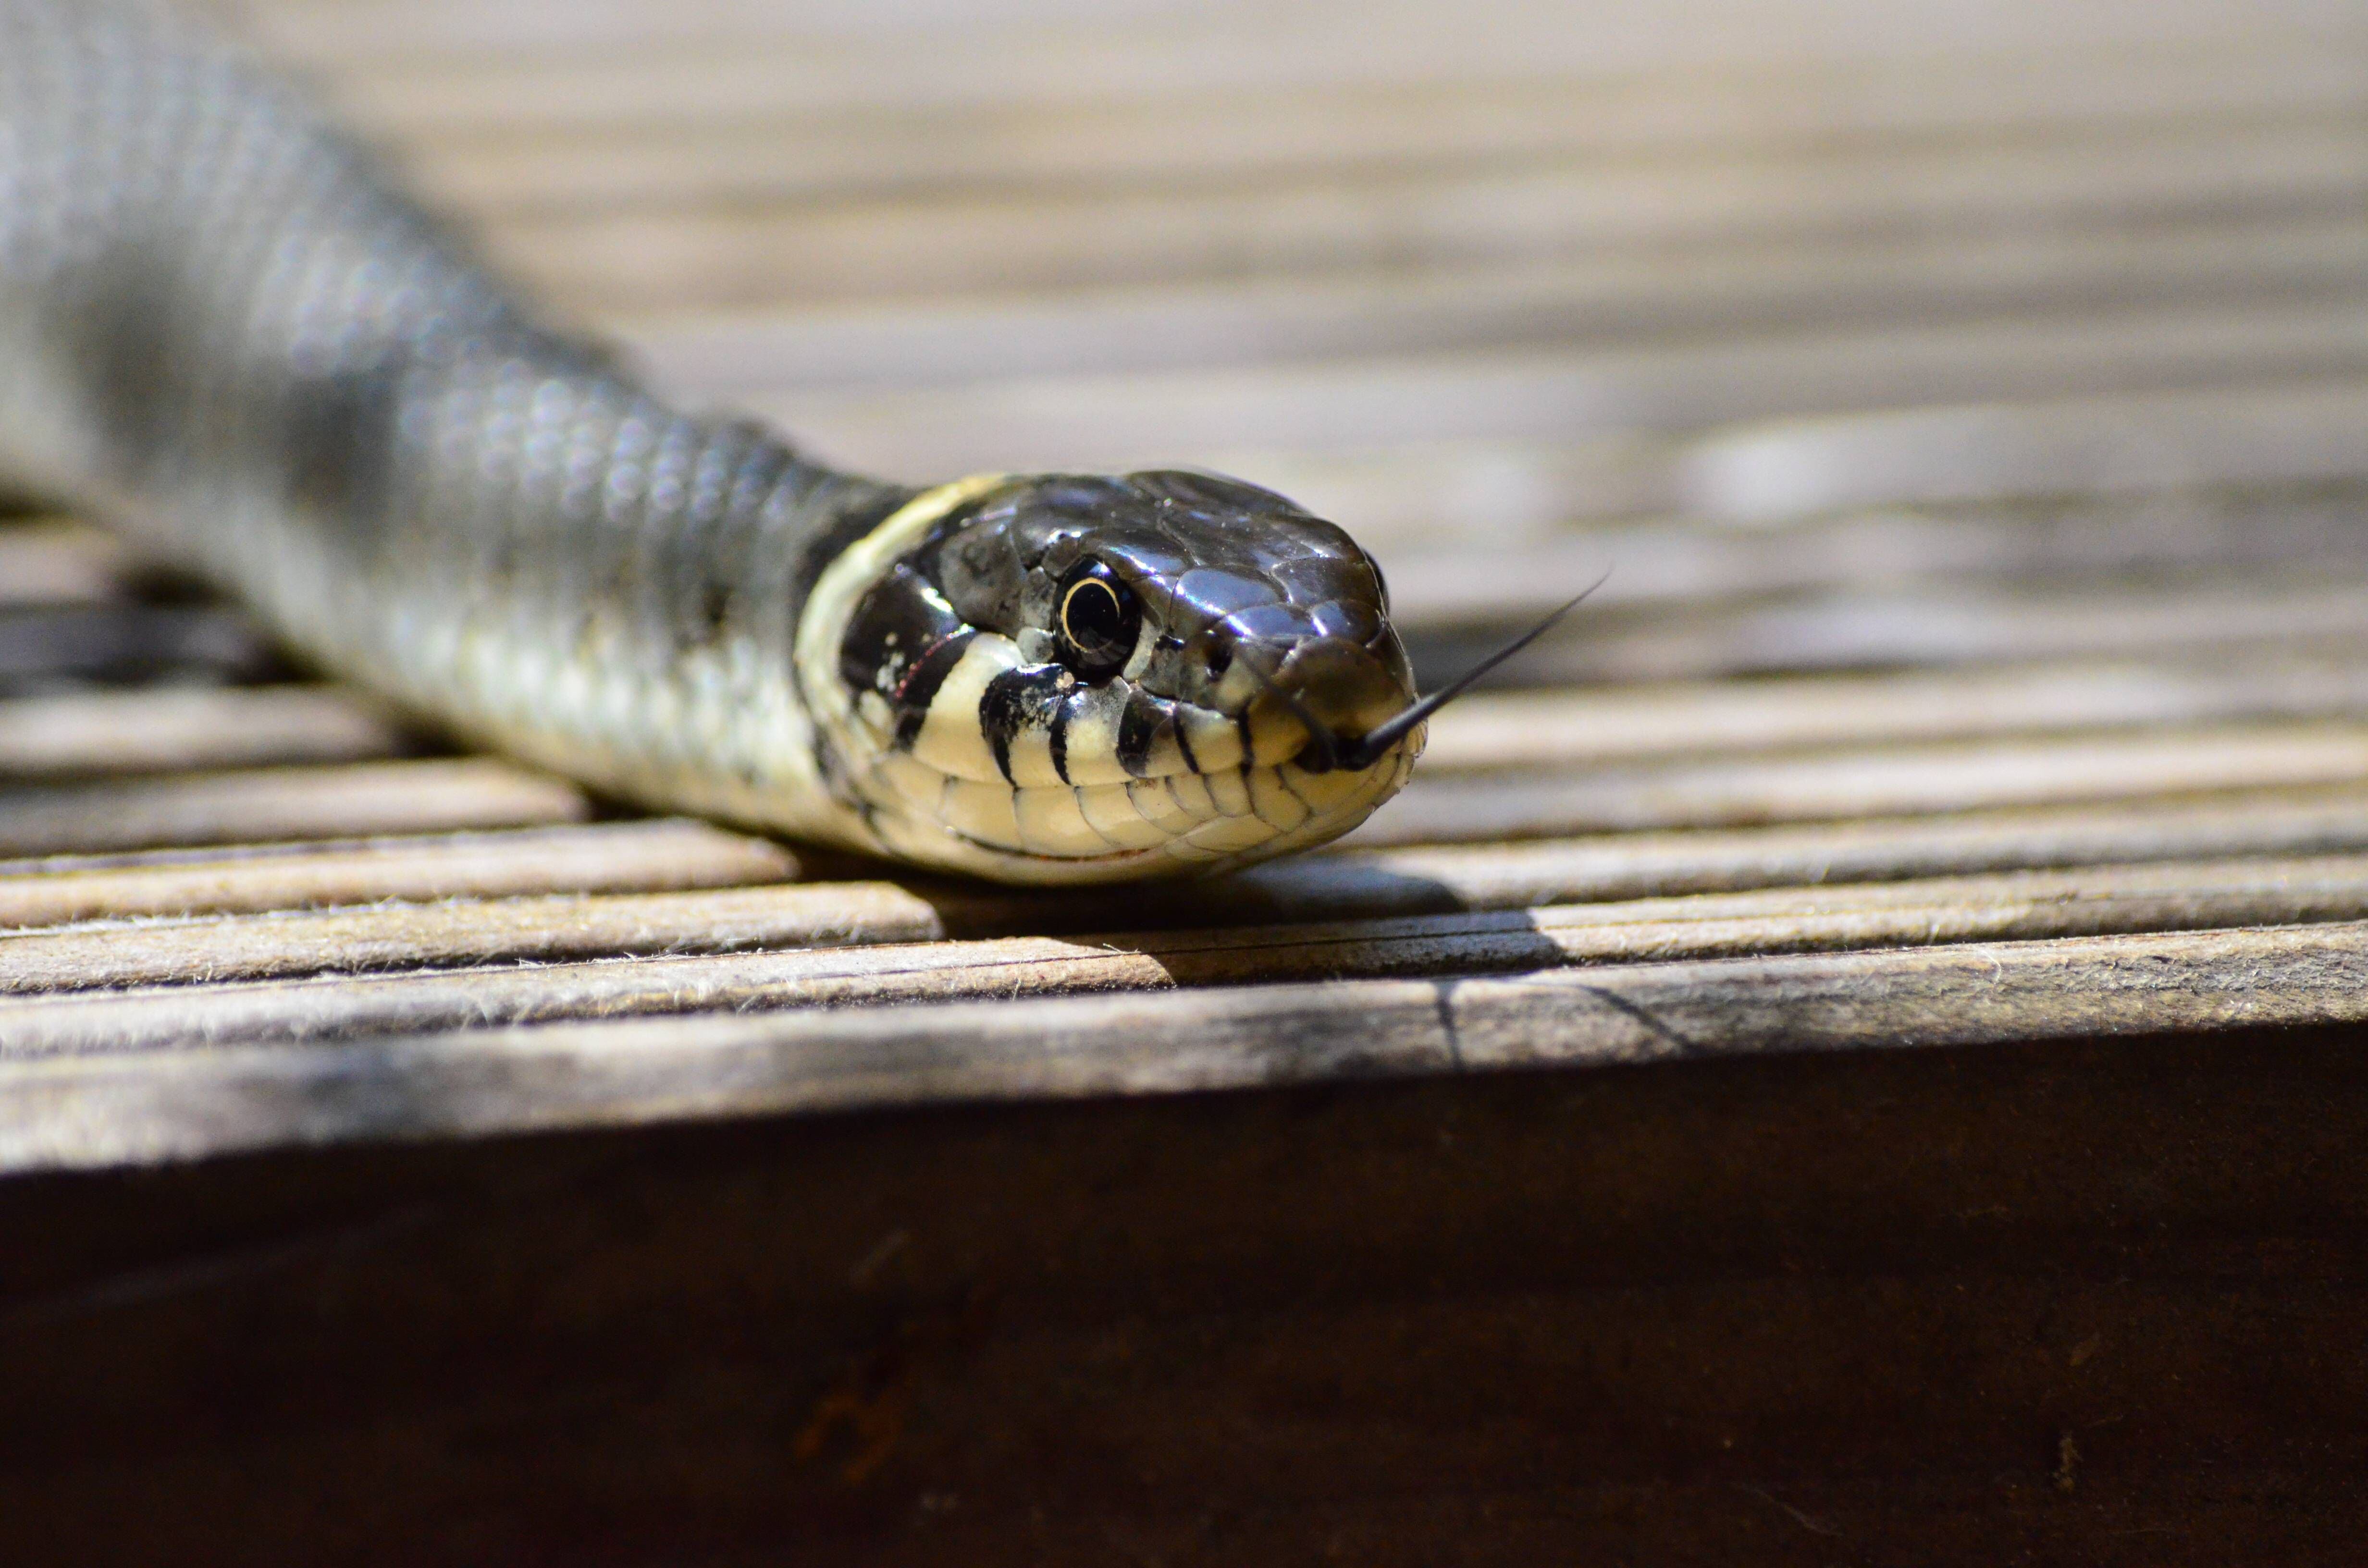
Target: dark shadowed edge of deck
{"points": [[2090, 1297]]}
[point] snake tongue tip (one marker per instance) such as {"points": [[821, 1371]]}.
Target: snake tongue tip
{"points": [[1369, 747]]}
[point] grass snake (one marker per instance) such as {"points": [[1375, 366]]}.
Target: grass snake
{"points": [[223, 330]]}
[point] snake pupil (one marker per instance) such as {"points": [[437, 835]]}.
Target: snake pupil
{"points": [[1101, 621]]}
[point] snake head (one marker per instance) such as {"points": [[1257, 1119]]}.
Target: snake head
{"points": [[1075, 678]]}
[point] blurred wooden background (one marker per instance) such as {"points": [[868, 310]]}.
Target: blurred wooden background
{"points": [[409, 1158]]}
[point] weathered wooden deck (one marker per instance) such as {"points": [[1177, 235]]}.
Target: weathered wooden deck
{"points": [[1848, 1055]]}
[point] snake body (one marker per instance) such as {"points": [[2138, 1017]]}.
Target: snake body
{"points": [[222, 329]]}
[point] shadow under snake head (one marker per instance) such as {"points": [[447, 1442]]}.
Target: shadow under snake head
{"points": [[1067, 679]]}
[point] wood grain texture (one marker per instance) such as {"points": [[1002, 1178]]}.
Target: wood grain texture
{"points": [[760, 60], [978, 242], [1843, 783], [144, 731], [1571, 393], [2037, 449], [600, 858], [294, 803], [1638, 865], [1599, 299], [1876, 626], [47, 562], [1575, 729], [58, 1018], [606, 154], [571, 925], [79, 1111]]}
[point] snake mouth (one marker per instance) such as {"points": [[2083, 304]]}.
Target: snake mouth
{"points": [[1178, 824], [1032, 778]]}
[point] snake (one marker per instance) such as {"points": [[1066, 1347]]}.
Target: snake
{"points": [[227, 332]]}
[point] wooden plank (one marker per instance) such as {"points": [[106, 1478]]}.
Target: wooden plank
{"points": [[518, 930], [1643, 864], [1873, 626], [54, 1019], [418, 76], [555, 928], [2058, 447], [1563, 728], [87, 1111], [1842, 783], [832, 914], [607, 155], [55, 561], [623, 857], [957, 242], [1566, 394], [263, 804], [143, 731], [1602, 298], [1464, 543]]}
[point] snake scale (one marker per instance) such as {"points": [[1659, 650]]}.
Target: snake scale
{"points": [[223, 330]]}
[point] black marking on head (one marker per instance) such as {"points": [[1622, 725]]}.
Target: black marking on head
{"points": [[893, 625], [902, 643], [1190, 762], [1019, 699], [1076, 703], [910, 700], [1139, 727]]}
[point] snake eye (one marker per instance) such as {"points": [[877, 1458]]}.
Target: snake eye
{"points": [[1101, 621]]}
